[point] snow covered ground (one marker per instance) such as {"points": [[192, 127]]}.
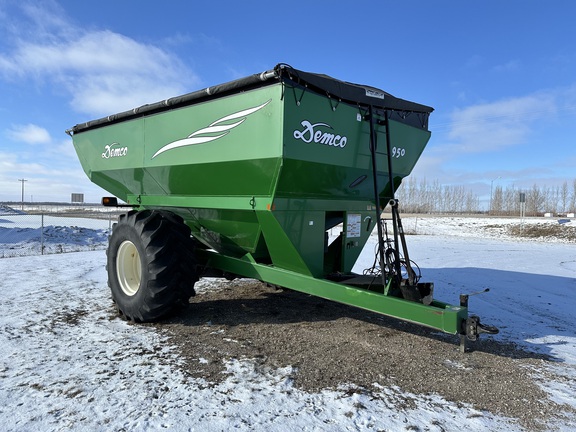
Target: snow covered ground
{"points": [[67, 363], [25, 234]]}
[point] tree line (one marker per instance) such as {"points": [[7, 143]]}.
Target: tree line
{"points": [[422, 196]]}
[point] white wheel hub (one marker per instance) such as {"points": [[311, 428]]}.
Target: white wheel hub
{"points": [[128, 268]]}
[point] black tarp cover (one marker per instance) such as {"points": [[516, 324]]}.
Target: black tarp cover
{"points": [[362, 95], [352, 93]]}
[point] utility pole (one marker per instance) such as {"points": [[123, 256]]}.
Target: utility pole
{"points": [[22, 181]]}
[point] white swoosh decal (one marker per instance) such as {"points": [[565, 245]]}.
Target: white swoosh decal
{"points": [[213, 128]]}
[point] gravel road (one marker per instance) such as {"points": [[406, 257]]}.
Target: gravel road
{"points": [[335, 346]]}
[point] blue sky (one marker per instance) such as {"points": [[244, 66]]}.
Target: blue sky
{"points": [[501, 75]]}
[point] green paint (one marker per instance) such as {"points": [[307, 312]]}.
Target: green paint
{"points": [[438, 315], [260, 176]]}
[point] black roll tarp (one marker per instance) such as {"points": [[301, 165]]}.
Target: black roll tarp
{"points": [[353, 93], [323, 84]]}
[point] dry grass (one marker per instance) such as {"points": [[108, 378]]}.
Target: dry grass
{"points": [[559, 231]]}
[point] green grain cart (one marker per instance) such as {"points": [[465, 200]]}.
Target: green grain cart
{"points": [[248, 178]]}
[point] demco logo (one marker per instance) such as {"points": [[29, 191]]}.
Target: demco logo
{"points": [[112, 150], [315, 133]]}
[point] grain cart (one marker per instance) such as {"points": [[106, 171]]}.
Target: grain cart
{"points": [[247, 179]]}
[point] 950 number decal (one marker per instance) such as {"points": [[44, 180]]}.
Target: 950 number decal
{"points": [[398, 152]]}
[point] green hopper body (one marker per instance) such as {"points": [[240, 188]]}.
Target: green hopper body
{"points": [[264, 169]]}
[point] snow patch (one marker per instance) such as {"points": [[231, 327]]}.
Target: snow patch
{"points": [[68, 364]]}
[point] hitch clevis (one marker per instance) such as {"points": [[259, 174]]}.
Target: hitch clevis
{"points": [[472, 328]]}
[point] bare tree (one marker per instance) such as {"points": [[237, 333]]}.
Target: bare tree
{"points": [[573, 197], [551, 199], [423, 196], [534, 201], [511, 201], [472, 203], [497, 203], [564, 197]]}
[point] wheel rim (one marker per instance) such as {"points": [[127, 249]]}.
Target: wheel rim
{"points": [[128, 268]]}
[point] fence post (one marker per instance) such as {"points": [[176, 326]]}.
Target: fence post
{"points": [[42, 234]]}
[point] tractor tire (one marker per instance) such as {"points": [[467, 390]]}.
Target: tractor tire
{"points": [[150, 264]]}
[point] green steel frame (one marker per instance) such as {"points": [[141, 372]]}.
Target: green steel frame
{"points": [[260, 174], [440, 316]]}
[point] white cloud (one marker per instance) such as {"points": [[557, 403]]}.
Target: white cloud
{"points": [[102, 71], [474, 61], [510, 66], [52, 181], [490, 126], [29, 133]]}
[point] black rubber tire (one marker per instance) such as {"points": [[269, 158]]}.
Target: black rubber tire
{"points": [[150, 264]]}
